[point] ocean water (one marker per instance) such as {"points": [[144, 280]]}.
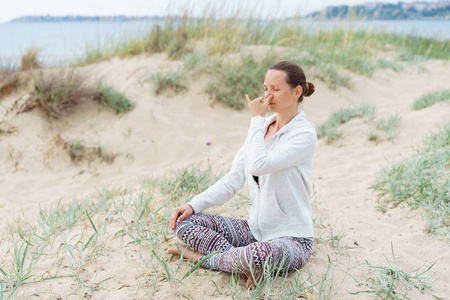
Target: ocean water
{"points": [[64, 42]]}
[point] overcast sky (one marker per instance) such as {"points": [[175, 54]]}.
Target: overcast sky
{"points": [[267, 8]]}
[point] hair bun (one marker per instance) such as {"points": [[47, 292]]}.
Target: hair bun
{"points": [[309, 89]]}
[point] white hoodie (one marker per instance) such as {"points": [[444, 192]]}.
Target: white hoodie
{"points": [[280, 203]]}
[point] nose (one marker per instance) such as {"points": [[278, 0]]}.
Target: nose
{"points": [[268, 94]]}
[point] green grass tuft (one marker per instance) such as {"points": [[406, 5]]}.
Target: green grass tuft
{"points": [[392, 281], [109, 97], [198, 63], [233, 79], [329, 129], [421, 181], [79, 152], [431, 98], [385, 128], [169, 80], [388, 64]]}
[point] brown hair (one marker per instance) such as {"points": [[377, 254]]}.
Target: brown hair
{"points": [[295, 77]]}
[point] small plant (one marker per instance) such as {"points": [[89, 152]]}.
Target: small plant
{"points": [[109, 97], [329, 236], [387, 64], [420, 180], [186, 182], [392, 281], [78, 152], [30, 60], [373, 135], [193, 60], [173, 80], [179, 45], [431, 98], [384, 128], [330, 74], [409, 57], [57, 92], [198, 63], [329, 128], [233, 79]]}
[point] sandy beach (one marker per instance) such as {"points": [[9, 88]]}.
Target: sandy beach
{"points": [[168, 132]]}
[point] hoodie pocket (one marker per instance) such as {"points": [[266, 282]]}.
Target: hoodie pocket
{"points": [[270, 214]]}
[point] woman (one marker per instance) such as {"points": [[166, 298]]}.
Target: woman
{"points": [[275, 163]]}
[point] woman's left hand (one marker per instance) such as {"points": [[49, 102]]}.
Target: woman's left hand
{"points": [[257, 106]]}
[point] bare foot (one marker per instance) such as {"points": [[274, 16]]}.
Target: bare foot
{"points": [[185, 252], [251, 281]]}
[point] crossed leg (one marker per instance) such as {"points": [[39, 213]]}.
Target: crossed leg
{"points": [[187, 253], [238, 249]]}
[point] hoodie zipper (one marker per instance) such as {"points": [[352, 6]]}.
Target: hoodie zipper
{"points": [[257, 210]]}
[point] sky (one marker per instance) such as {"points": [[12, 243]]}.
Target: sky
{"points": [[266, 8]]}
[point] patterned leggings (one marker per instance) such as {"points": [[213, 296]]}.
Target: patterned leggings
{"points": [[238, 249]]}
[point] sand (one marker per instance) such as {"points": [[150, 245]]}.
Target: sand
{"points": [[167, 132]]}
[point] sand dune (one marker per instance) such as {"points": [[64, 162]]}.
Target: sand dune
{"points": [[170, 131]]}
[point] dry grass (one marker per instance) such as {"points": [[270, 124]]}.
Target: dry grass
{"points": [[79, 152], [10, 75], [57, 92], [30, 60], [9, 79], [6, 128]]}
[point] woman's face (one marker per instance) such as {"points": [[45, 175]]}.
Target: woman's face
{"points": [[283, 96]]}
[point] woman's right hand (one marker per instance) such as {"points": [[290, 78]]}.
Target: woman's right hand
{"points": [[185, 211]]}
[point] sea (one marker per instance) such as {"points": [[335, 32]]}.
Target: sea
{"points": [[62, 43]]}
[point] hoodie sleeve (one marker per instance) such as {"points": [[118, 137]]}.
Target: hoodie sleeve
{"points": [[292, 152], [223, 189]]}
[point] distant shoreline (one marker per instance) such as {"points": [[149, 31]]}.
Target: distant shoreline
{"points": [[74, 19], [69, 18]]}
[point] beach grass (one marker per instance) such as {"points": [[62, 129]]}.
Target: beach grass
{"points": [[358, 51], [393, 282], [347, 48], [233, 79], [207, 45], [420, 181], [70, 243], [330, 236], [9, 79], [81, 232], [30, 60], [431, 98], [57, 92], [79, 151], [169, 80], [109, 97], [384, 129], [275, 284], [198, 63], [330, 130]]}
